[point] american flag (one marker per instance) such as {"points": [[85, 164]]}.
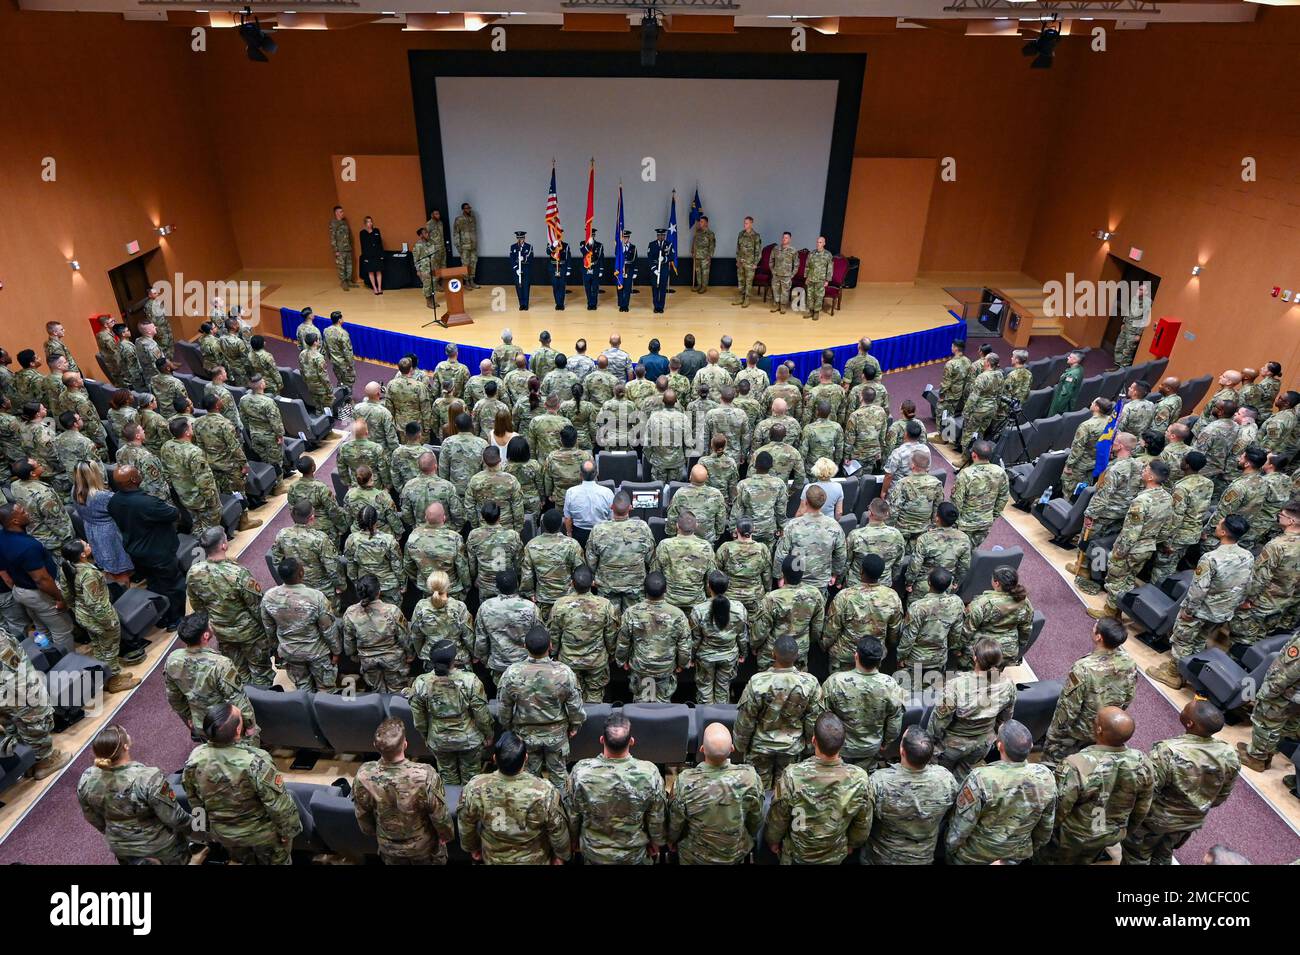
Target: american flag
{"points": [[553, 217]]}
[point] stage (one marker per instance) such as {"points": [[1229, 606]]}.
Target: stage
{"points": [[911, 323]]}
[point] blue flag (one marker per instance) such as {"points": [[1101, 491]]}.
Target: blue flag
{"points": [[1107, 437], [618, 241], [672, 233], [697, 210]]}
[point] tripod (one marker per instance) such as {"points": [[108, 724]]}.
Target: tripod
{"points": [[434, 320], [1014, 420]]}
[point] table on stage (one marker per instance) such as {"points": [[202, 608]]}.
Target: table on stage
{"points": [[399, 270]]}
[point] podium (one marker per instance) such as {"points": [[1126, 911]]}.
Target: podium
{"points": [[454, 282]]}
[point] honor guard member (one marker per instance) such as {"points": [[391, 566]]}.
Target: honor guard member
{"points": [[658, 253], [629, 272], [703, 244], [558, 269], [521, 258], [591, 269]]}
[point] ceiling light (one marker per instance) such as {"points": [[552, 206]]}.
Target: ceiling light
{"points": [[1104, 234], [1043, 48], [257, 42]]}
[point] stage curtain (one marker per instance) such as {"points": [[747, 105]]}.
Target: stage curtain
{"points": [[378, 344]]}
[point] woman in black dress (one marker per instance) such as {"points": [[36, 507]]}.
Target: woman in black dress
{"points": [[372, 255]]}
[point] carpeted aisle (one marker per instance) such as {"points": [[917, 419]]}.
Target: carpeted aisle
{"points": [[54, 832]]}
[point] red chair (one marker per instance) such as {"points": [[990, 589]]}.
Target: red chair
{"points": [[763, 274], [798, 280], [835, 287]]}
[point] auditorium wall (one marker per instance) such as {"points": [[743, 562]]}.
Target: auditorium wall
{"points": [[1169, 181], [114, 105]]}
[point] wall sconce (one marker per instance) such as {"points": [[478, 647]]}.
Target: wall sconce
{"points": [[1197, 269], [165, 229], [74, 265], [1104, 234]]}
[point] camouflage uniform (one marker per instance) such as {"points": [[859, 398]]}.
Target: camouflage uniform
{"points": [[1218, 588], [707, 504], [197, 678], [232, 599], [499, 631], [749, 250], [1102, 678], [908, 808], [452, 715], [421, 491], [50, 522], [715, 813], [1190, 506], [716, 652], [617, 808], [1136, 416], [265, 428], [774, 721], [1136, 317], [407, 399], [495, 484], [584, 628], [1002, 619], [1117, 486], [912, 504], [763, 431], [819, 541], [359, 498], [818, 269], [341, 243], [403, 804], [362, 451], [490, 549], [263, 363], [320, 393], [821, 811], [981, 407], [1273, 591], [1245, 496], [1168, 409], [1216, 441], [92, 609], [547, 568], [460, 458], [25, 713], [437, 548], [931, 630], [298, 617], [561, 471], [1147, 521], [823, 438], [871, 706], [1004, 812], [223, 447], [1277, 703], [703, 244], [945, 547], [965, 720], [331, 519], [667, 437], [952, 387], [654, 642], [763, 499], [513, 820], [379, 555], [315, 551], [1082, 459], [380, 422], [1193, 774], [1102, 792], [864, 437], [379, 639], [723, 474], [787, 464], [882, 540], [685, 561], [235, 358], [796, 611], [540, 701], [135, 808], [242, 794], [748, 566], [868, 610], [620, 554], [980, 493], [188, 472], [465, 233]]}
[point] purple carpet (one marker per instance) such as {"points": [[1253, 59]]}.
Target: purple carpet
{"points": [[54, 833]]}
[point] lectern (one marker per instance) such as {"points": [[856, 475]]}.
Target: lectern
{"points": [[454, 283]]}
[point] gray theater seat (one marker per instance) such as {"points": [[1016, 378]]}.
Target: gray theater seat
{"points": [[1070, 422], [1264, 650], [261, 478], [1036, 404], [340, 487], [647, 498], [848, 523], [270, 565], [868, 491], [139, 609], [335, 820], [185, 551], [1035, 630], [73, 681], [349, 723], [1155, 607], [587, 741], [308, 840], [15, 765], [1045, 436], [1029, 481], [1035, 704], [193, 387], [658, 528], [1156, 371], [850, 487], [192, 355], [1063, 519], [1193, 391], [99, 393], [286, 719], [232, 509], [295, 386], [618, 466], [398, 707], [941, 475], [1216, 676], [662, 730], [671, 490], [983, 562], [301, 423], [1089, 391], [42, 658]]}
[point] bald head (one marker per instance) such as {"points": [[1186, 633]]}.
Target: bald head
{"points": [[127, 477], [373, 390], [779, 407], [428, 462], [435, 514], [360, 429], [699, 474], [716, 745], [1113, 726]]}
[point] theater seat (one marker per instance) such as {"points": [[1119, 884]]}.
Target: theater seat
{"points": [[192, 355], [138, 610], [1035, 630], [1030, 481], [618, 466], [185, 551], [1035, 704], [647, 498], [763, 271], [14, 766], [398, 707], [286, 719], [1220, 679], [1155, 607], [260, 480], [980, 576], [308, 840], [335, 820], [587, 741], [74, 681], [349, 723], [299, 422], [662, 731], [1263, 650], [275, 573], [42, 658], [1062, 519]]}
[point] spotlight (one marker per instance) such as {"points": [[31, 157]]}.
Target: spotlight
{"points": [[1043, 48], [257, 42], [649, 37], [165, 230], [1197, 269], [1105, 235], [74, 265]]}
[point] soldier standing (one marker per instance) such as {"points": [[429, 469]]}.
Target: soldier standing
{"points": [[654, 643], [1082, 459], [956, 374], [464, 233], [541, 702], [716, 807], [25, 713], [550, 559], [510, 817], [1067, 388], [341, 244], [909, 802], [1136, 317], [749, 249], [1107, 677], [449, 709], [616, 802], [821, 807], [620, 553], [1005, 810], [311, 361], [703, 245], [241, 793], [155, 311], [197, 677], [776, 714], [402, 803], [585, 630], [965, 720], [868, 703], [438, 242], [628, 276], [521, 259], [980, 493], [298, 617], [1147, 522], [377, 636], [795, 608], [684, 560], [265, 428], [817, 272], [1193, 774], [503, 623], [719, 640], [423, 254], [982, 404], [593, 264], [132, 804], [783, 263], [1274, 585], [872, 609], [1277, 708], [658, 258], [228, 593]]}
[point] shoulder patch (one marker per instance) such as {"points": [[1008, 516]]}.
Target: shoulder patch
{"points": [[1293, 652], [965, 797], [1072, 681]]}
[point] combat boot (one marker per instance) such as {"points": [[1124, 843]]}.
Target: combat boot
{"points": [[1250, 761], [1103, 613], [121, 682], [345, 286], [50, 764], [815, 315], [775, 305], [247, 522], [1166, 673]]}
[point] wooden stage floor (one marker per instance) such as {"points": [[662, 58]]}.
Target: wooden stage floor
{"points": [[875, 310]]}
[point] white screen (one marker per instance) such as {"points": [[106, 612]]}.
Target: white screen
{"points": [[752, 147]]}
